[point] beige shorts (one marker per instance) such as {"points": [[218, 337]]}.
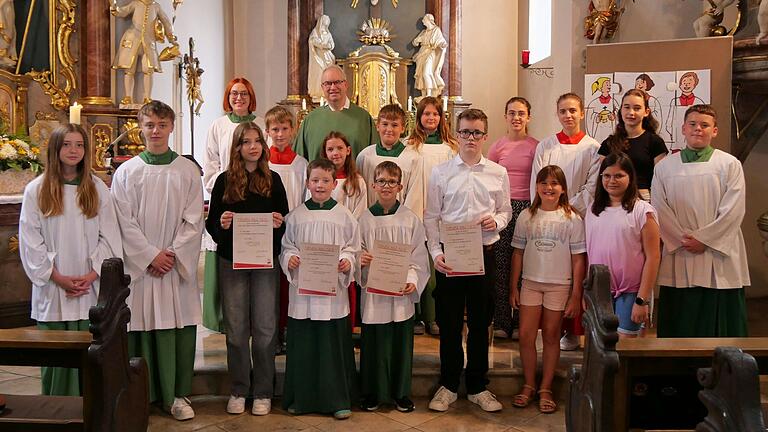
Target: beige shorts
{"points": [[552, 296]]}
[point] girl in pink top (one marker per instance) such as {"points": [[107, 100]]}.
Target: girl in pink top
{"points": [[514, 151], [622, 233]]}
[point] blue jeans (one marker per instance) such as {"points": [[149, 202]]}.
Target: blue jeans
{"points": [[622, 307], [249, 300]]}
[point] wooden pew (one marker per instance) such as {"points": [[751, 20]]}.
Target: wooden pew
{"points": [[614, 374], [115, 389]]}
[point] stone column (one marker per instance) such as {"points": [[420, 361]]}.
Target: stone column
{"points": [[95, 64]]}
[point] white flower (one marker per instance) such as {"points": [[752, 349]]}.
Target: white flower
{"points": [[7, 151]]}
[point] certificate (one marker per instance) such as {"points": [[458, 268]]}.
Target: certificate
{"points": [[388, 272], [463, 247], [319, 269], [252, 241]]}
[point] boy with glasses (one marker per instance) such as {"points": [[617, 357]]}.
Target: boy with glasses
{"points": [[467, 188], [386, 349]]}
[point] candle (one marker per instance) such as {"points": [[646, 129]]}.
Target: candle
{"points": [[303, 104], [322, 101], [410, 103], [74, 113], [445, 103], [525, 57]]}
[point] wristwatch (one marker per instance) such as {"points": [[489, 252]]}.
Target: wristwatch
{"points": [[641, 301]]}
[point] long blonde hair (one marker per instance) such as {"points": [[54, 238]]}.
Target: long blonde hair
{"points": [[50, 192], [238, 178], [419, 135]]}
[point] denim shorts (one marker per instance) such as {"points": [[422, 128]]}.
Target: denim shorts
{"points": [[622, 307]]}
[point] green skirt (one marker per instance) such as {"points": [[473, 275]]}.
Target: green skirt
{"points": [[58, 381], [319, 366], [386, 360], [170, 356], [213, 318], [702, 312]]}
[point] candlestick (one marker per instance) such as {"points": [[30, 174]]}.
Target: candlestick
{"points": [[525, 57], [303, 104], [410, 103], [74, 113], [445, 103]]}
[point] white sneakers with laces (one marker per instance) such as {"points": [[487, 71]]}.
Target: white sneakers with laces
{"points": [[182, 409], [442, 399], [236, 405], [261, 407], [486, 400]]}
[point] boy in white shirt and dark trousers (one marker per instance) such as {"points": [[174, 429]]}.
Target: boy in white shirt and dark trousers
{"points": [[467, 188], [386, 349]]}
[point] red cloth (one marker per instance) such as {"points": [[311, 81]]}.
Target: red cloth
{"points": [[352, 291], [341, 174], [573, 325], [604, 99], [687, 100], [565, 139], [284, 157]]}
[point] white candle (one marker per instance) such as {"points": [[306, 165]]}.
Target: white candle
{"points": [[410, 103], [74, 113], [322, 101], [445, 103], [303, 104]]}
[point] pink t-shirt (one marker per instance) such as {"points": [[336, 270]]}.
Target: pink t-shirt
{"points": [[517, 158], [614, 239]]}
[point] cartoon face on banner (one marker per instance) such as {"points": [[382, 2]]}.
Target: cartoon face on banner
{"points": [[601, 107]]}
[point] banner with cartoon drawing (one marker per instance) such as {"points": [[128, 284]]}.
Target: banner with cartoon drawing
{"points": [[670, 93]]}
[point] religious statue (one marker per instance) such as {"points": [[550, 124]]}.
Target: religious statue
{"points": [[429, 59], [320, 55], [148, 24], [602, 21], [708, 24], [762, 21], [8, 57]]}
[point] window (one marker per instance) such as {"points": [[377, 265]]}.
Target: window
{"points": [[539, 29]]}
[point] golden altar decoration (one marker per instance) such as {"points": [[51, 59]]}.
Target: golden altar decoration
{"points": [[376, 72]]}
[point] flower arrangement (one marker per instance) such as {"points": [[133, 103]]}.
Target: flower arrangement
{"points": [[18, 154]]}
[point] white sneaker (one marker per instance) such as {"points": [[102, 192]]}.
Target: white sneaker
{"points": [[569, 342], [236, 405], [181, 409], [442, 399], [261, 407], [486, 400]]}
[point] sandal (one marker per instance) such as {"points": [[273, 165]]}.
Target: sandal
{"points": [[521, 400], [546, 405]]}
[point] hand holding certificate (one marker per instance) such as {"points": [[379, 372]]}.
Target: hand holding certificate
{"points": [[319, 269], [463, 247], [252, 241], [388, 272]]}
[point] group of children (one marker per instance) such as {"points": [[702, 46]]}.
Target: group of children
{"points": [[544, 212]]}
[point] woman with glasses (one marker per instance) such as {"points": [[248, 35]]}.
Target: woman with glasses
{"points": [[239, 105], [514, 151]]}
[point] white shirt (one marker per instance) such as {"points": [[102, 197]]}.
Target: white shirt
{"points": [[71, 243], [460, 193], [410, 163], [356, 204], [548, 241], [403, 227], [579, 162], [160, 207], [293, 176], [432, 155], [335, 226], [706, 200], [218, 146]]}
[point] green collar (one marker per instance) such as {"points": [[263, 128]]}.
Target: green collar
{"points": [[395, 152], [161, 159], [434, 138], [691, 155], [315, 206], [75, 181], [377, 210], [234, 118]]}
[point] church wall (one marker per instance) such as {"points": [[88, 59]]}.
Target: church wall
{"points": [[210, 24], [489, 59], [641, 21]]}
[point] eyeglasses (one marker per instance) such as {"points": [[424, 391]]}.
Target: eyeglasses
{"points": [[388, 183], [235, 94], [329, 84], [467, 133], [617, 177]]}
